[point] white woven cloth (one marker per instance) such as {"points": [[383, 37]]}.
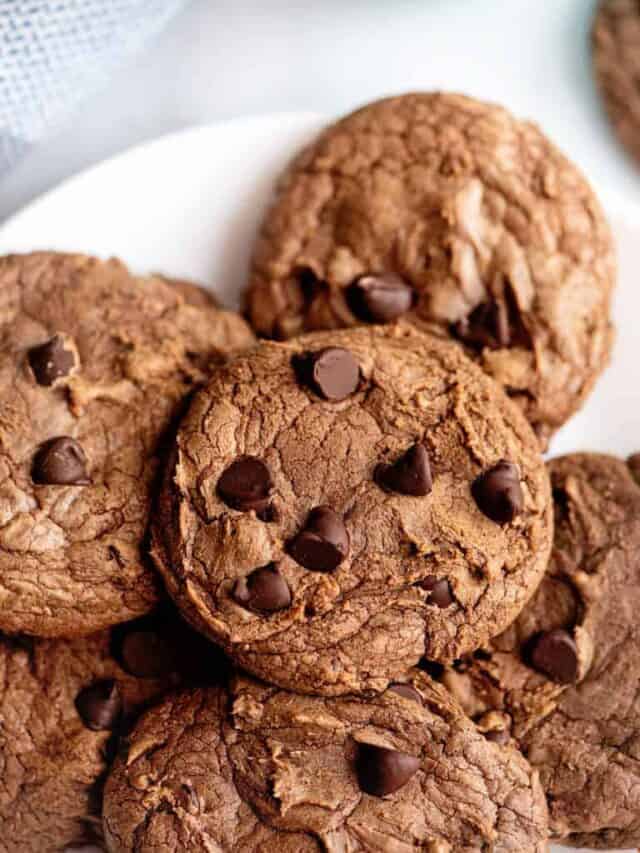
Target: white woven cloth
{"points": [[53, 53]]}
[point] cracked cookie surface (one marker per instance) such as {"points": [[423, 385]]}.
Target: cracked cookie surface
{"points": [[94, 367], [62, 703], [616, 61], [564, 680], [262, 769], [457, 213], [327, 544]]}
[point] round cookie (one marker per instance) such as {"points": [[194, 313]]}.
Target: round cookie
{"points": [[564, 680], [61, 705], [339, 505], [616, 62], [94, 367], [455, 212], [265, 769]]}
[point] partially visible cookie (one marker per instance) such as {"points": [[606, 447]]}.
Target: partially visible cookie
{"points": [[266, 770], [95, 365], [616, 61], [564, 680], [449, 210], [62, 704], [339, 505]]}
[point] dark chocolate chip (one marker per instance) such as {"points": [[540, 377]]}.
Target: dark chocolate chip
{"points": [[498, 492], [407, 691], [379, 298], [52, 360], [433, 669], [246, 485], [555, 654], [495, 324], [323, 543], [382, 771], [60, 462], [439, 591], [146, 654], [100, 705], [408, 475], [264, 590], [499, 736], [332, 373]]}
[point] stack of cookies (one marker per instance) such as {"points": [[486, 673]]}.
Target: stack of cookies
{"points": [[322, 593]]}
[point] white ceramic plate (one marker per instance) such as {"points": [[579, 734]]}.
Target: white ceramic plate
{"points": [[188, 205]]}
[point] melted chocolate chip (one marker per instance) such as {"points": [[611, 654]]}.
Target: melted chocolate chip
{"points": [[498, 492], [332, 373], [407, 691], [100, 705], [264, 590], [499, 736], [408, 475], [60, 462], [323, 543], [379, 298], [146, 654], [54, 359], [246, 485], [433, 669], [439, 591], [382, 771], [495, 324], [554, 653]]}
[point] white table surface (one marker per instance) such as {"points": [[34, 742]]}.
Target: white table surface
{"points": [[222, 58]]}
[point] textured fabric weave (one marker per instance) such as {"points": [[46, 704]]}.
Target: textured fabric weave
{"points": [[53, 53]]}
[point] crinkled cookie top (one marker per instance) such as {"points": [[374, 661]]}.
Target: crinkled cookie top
{"points": [[94, 367], [339, 505], [62, 703], [454, 211], [564, 679], [263, 769]]}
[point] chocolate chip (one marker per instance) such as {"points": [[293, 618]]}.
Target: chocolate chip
{"points": [[100, 705], [439, 591], [495, 324], [408, 475], [60, 462], [264, 590], [382, 771], [498, 492], [499, 736], [246, 485], [52, 360], [146, 654], [332, 373], [323, 543], [433, 669], [379, 298], [407, 691], [555, 654]]}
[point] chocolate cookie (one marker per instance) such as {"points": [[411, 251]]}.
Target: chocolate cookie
{"points": [[62, 704], [268, 770], [565, 678], [94, 367], [342, 504], [616, 61], [449, 210]]}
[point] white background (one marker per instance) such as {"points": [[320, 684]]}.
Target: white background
{"points": [[224, 58]]}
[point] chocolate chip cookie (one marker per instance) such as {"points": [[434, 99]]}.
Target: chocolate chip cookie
{"points": [[616, 61], [564, 680], [61, 706], [263, 769], [94, 367], [339, 505], [452, 211]]}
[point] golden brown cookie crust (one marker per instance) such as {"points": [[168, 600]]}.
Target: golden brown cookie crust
{"points": [[353, 628], [472, 208], [616, 62], [263, 769], [71, 554]]}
